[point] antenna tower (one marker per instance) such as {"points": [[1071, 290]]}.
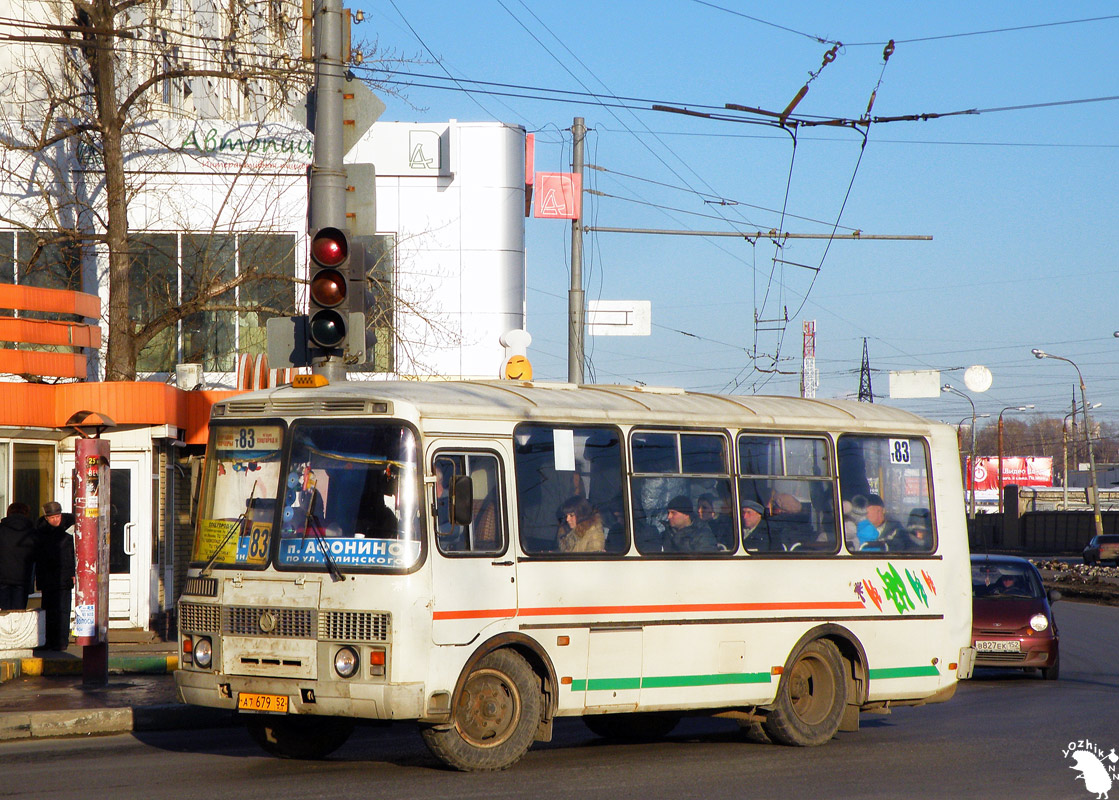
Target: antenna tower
{"points": [[866, 393]]}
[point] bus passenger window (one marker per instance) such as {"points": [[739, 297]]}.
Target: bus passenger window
{"points": [[884, 482], [556, 468], [786, 499], [682, 496]]}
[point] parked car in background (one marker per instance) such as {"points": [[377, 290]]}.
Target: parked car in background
{"points": [[1102, 548], [1012, 619]]}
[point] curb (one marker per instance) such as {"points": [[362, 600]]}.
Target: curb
{"points": [[123, 664], [101, 721]]}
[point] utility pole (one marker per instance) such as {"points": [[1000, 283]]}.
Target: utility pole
{"points": [[328, 175], [576, 331]]}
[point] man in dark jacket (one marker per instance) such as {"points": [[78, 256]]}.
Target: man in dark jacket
{"points": [[54, 572], [17, 543]]}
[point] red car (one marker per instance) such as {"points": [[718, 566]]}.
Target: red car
{"points": [[1012, 621]]}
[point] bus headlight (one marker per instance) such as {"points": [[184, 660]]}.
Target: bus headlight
{"points": [[203, 652], [345, 662], [1039, 622]]}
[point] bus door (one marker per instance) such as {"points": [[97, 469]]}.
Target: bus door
{"points": [[473, 565]]}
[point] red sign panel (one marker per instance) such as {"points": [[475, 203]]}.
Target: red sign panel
{"points": [[1023, 471], [559, 195]]}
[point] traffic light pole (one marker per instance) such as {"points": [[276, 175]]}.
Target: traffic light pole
{"points": [[328, 175]]}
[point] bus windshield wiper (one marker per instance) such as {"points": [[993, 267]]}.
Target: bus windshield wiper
{"points": [[316, 528]]}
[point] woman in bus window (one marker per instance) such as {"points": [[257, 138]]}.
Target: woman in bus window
{"points": [[580, 529]]}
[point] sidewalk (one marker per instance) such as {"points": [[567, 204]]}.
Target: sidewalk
{"points": [[43, 696]]}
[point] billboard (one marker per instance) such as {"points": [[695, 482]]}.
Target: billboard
{"points": [[1020, 470]]}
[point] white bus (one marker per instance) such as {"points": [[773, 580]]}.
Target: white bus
{"points": [[484, 557]]}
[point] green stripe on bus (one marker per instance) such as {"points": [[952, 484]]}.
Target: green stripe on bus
{"points": [[905, 672], [668, 681]]}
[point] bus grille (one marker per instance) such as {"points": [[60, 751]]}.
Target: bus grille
{"points": [[201, 587], [283, 622], [354, 626], [199, 618]]}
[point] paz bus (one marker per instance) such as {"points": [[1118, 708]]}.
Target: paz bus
{"points": [[486, 556]]}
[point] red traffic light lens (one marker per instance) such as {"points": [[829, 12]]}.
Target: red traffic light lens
{"points": [[328, 288], [329, 248], [327, 329]]}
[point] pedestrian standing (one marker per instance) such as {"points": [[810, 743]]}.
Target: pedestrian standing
{"points": [[17, 543], [54, 570]]}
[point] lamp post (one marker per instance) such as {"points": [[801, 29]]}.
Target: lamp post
{"points": [[1087, 437], [1064, 449], [971, 462], [1008, 408]]}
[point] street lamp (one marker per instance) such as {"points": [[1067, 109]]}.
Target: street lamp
{"points": [[1064, 448], [971, 463], [1008, 408], [1087, 437]]}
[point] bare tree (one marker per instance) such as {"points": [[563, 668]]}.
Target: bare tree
{"points": [[113, 97]]}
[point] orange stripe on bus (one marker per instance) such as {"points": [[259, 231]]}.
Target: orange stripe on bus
{"points": [[487, 613]]}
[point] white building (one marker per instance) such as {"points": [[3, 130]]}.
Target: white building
{"points": [[217, 177]]}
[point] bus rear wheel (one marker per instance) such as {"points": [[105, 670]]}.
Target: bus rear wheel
{"points": [[309, 738], [632, 727], [811, 697], [495, 719]]}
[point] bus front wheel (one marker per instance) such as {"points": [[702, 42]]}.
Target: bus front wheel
{"points": [[495, 719], [300, 737], [811, 697]]}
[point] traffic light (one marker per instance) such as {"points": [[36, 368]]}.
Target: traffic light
{"points": [[331, 265]]}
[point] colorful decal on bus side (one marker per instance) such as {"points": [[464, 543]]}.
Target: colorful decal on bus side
{"points": [[895, 590]]}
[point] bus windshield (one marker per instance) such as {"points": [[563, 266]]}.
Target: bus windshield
{"points": [[348, 500], [351, 499]]}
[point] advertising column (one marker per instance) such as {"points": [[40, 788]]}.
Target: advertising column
{"points": [[91, 545]]}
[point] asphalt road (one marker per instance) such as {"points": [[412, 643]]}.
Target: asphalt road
{"points": [[1003, 736]]}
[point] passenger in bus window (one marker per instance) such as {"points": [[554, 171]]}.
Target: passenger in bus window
{"points": [[918, 531], [580, 529], [789, 523], [685, 533], [755, 527], [714, 511], [876, 531]]}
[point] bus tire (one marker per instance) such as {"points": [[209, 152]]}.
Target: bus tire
{"points": [[647, 727], [309, 738], [495, 719], [811, 697]]}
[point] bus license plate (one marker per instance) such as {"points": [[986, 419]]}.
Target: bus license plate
{"points": [[998, 647], [273, 703]]}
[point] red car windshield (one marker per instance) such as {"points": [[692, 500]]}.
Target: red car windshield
{"points": [[1005, 580]]}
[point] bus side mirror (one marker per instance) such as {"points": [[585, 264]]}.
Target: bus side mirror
{"points": [[462, 500]]}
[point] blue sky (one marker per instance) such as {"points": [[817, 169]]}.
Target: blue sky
{"points": [[1019, 201]]}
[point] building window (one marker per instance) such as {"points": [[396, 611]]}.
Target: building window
{"points": [[380, 279], [212, 337], [271, 290], [154, 289], [209, 336]]}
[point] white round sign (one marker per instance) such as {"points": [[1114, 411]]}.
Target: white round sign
{"points": [[977, 378]]}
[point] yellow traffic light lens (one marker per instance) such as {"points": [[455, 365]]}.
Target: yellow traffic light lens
{"points": [[328, 288]]}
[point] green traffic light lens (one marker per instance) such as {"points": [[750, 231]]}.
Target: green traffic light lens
{"points": [[327, 329], [328, 288]]}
